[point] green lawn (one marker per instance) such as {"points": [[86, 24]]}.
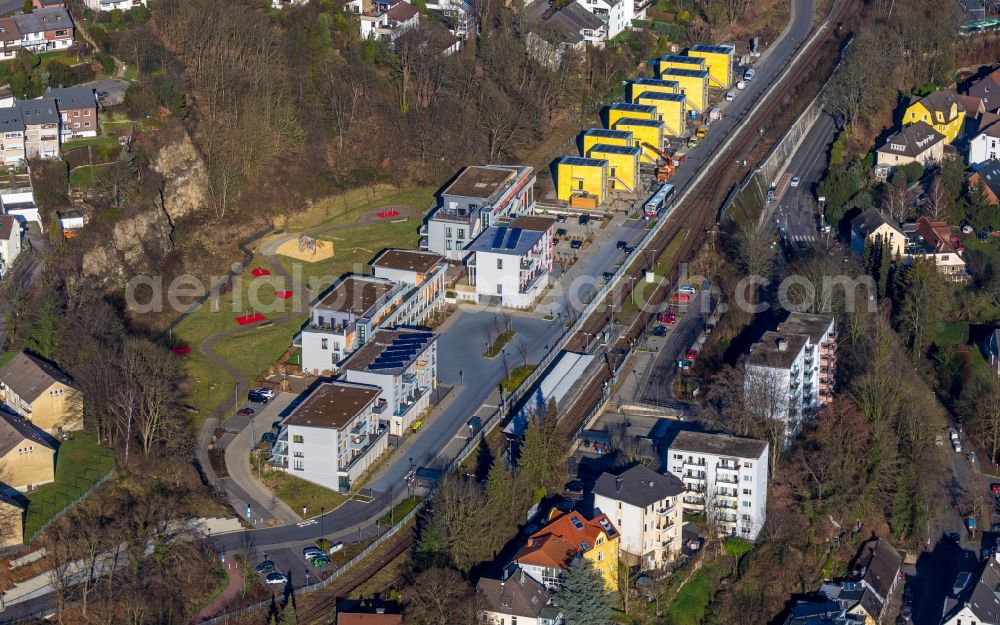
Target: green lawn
{"points": [[252, 352], [399, 511], [516, 377], [691, 602], [498, 344], [953, 333], [103, 141], [297, 492], [346, 208], [80, 463], [84, 176]]}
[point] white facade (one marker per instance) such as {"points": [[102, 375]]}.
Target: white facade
{"points": [[20, 203], [510, 264], [616, 14], [405, 389], [333, 436], [10, 241], [790, 371], [984, 146], [109, 5], [725, 478]]}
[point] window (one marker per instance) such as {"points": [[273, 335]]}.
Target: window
{"points": [[499, 289], [748, 465], [499, 263], [86, 113], [86, 124], [746, 504], [76, 113], [746, 491], [61, 33], [297, 438], [600, 556], [513, 620], [447, 232], [461, 233], [298, 465], [447, 245], [299, 454], [747, 478], [324, 344]]}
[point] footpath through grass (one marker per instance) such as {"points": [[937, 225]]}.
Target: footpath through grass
{"points": [[80, 463]]}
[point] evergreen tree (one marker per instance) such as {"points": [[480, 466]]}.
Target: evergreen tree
{"points": [[289, 616], [883, 268], [500, 499], [867, 256], [583, 598]]}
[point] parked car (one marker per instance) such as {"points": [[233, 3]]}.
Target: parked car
{"points": [[256, 398], [246, 412], [749, 74], [561, 218], [995, 488], [276, 578], [660, 331], [953, 434], [584, 219], [687, 288], [973, 458], [707, 329], [795, 181], [276, 425], [692, 354], [574, 488], [269, 393], [576, 244], [311, 552], [335, 547], [621, 245], [264, 567], [730, 96], [680, 298], [320, 561], [608, 275], [269, 437], [561, 232], [684, 364], [628, 250], [668, 317], [416, 425], [957, 444]]}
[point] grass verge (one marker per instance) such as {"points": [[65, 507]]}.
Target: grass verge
{"points": [[691, 602], [516, 377], [498, 344], [80, 462], [399, 511], [297, 493]]}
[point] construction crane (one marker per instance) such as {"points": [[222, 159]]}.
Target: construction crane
{"points": [[665, 168]]}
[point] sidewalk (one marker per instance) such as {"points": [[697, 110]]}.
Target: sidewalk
{"points": [[225, 597]]}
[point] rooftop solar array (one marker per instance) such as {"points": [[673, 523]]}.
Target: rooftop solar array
{"points": [[616, 149], [655, 82], [690, 73], [632, 121], [659, 95], [606, 133], [580, 161], [498, 237], [680, 58], [401, 351], [717, 49], [637, 108], [515, 235]]}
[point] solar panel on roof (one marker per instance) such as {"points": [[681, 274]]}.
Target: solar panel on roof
{"points": [[498, 237], [583, 162], [515, 236]]}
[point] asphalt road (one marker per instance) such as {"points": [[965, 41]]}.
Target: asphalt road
{"points": [[657, 382], [796, 209]]}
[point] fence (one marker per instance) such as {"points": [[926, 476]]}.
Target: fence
{"points": [[55, 517]]}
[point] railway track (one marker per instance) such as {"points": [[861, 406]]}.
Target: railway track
{"points": [[690, 221]]}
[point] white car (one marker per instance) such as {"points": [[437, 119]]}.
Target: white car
{"points": [[957, 444], [730, 96], [795, 181], [749, 74], [741, 85], [265, 392]]}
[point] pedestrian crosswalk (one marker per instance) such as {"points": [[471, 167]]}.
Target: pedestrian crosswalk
{"points": [[803, 237]]}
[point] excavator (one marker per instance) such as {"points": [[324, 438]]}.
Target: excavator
{"points": [[665, 168]]}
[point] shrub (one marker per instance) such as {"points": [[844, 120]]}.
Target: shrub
{"points": [[117, 16], [99, 35], [60, 74], [138, 14], [103, 17], [107, 63]]}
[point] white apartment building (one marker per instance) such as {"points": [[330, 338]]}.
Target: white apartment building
{"points": [[645, 507], [124, 5], [476, 199], [424, 272], [45, 29], [617, 15], [725, 478], [403, 363], [790, 371], [333, 436], [10, 242], [509, 264], [983, 146]]}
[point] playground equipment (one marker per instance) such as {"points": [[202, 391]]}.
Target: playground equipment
{"points": [[309, 244]]}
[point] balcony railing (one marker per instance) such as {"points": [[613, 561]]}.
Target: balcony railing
{"points": [[662, 512]]}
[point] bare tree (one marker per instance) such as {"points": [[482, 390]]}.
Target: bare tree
{"points": [[937, 205]]}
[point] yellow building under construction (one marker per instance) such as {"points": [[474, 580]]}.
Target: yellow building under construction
{"points": [[623, 165], [634, 88], [719, 60], [644, 131], [679, 61], [578, 176], [693, 83], [670, 110], [626, 109], [595, 136]]}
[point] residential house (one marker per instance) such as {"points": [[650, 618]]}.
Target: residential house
{"points": [[974, 110], [976, 604], [27, 458], [10, 242], [12, 135], [571, 29], [582, 181], [45, 29], [987, 89], [646, 509], [719, 59], [403, 363], [10, 38], [424, 273], [344, 317], [517, 599], [617, 15], [41, 127], [389, 24], [11, 521], [986, 177], [933, 240], [983, 146], [915, 143], [509, 264], [474, 201], [40, 392], [867, 592], [568, 535], [872, 227], [110, 5], [821, 613], [48, 4], [941, 110], [333, 436], [280, 4], [20, 203], [368, 612], [724, 477], [77, 107], [790, 371]]}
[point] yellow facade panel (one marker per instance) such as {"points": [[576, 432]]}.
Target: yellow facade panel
{"points": [[643, 132], [719, 65], [575, 176], [623, 168]]}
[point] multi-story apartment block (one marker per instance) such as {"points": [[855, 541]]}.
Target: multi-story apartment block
{"points": [[12, 134], [344, 318], [790, 371], [725, 478], [403, 363], [333, 436], [617, 15], [566, 536], [45, 29], [645, 507], [424, 273], [41, 127], [474, 201], [509, 264], [110, 5], [77, 107]]}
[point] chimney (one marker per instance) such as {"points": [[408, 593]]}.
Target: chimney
{"points": [[618, 484], [782, 344], [522, 577]]}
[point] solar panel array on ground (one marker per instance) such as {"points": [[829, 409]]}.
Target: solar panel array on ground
{"points": [[401, 351]]}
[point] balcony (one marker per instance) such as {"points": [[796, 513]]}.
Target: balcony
{"points": [[409, 378], [722, 479], [424, 244], [662, 512], [691, 462], [793, 385], [422, 230], [357, 443]]}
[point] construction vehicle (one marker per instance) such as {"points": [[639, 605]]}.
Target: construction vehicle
{"points": [[665, 167], [701, 132]]}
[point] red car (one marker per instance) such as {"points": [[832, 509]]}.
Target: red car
{"points": [[995, 488], [692, 354], [681, 298], [246, 412], [667, 318]]}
